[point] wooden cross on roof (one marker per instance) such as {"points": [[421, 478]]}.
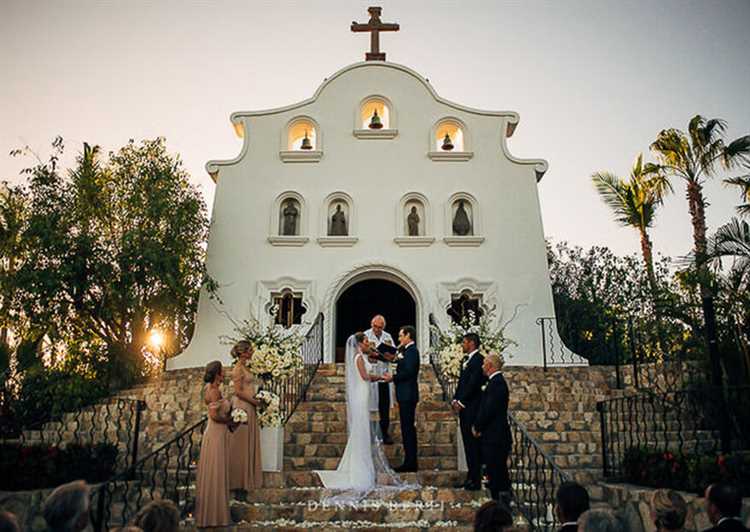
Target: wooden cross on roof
{"points": [[374, 26]]}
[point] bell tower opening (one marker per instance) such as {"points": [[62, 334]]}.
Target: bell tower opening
{"points": [[361, 301]]}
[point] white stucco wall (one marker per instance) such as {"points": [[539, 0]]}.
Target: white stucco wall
{"points": [[509, 265]]}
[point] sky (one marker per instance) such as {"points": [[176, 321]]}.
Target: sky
{"points": [[593, 81]]}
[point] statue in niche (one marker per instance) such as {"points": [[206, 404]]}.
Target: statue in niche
{"points": [[338, 223], [461, 220], [290, 215], [412, 221]]}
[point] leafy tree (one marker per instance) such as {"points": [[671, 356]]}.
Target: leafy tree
{"points": [[115, 247]]}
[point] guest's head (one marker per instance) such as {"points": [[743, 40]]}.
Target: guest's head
{"points": [[8, 522], [242, 350], [492, 516], [214, 372], [723, 500], [668, 510], [571, 501], [470, 342], [378, 324], [67, 507], [361, 339], [599, 521], [406, 335], [158, 516], [492, 363]]}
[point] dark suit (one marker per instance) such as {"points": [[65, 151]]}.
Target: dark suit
{"points": [[407, 395], [729, 525], [492, 423], [568, 528], [469, 394]]}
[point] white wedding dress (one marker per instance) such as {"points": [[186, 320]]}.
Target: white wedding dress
{"points": [[363, 467]]}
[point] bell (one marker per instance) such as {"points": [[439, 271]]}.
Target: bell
{"points": [[375, 122], [306, 144], [447, 144]]}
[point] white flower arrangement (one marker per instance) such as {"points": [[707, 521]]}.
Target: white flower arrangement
{"points": [[269, 414], [239, 415], [492, 339]]}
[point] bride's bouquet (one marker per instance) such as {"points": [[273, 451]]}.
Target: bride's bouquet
{"points": [[269, 414], [492, 338]]}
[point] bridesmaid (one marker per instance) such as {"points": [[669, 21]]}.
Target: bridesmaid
{"points": [[212, 490], [244, 443]]}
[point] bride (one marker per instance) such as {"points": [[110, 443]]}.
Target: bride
{"points": [[364, 465]]}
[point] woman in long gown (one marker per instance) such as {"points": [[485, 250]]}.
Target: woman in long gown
{"points": [[212, 486], [246, 472]]}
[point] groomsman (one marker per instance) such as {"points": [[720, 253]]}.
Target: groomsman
{"points": [[466, 404], [491, 426], [377, 335]]}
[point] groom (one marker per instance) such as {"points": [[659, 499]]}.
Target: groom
{"points": [[407, 393]]}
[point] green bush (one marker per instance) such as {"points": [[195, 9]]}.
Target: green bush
{"points": [[686, 472], [44, 466]]}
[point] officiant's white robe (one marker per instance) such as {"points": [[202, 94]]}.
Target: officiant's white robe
{"points": [[379, 368]]}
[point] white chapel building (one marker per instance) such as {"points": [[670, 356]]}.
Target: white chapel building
{"points": [[374, 196]]}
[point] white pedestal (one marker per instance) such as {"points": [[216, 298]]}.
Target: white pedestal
{"points": [[460, 449], [272, 448]]}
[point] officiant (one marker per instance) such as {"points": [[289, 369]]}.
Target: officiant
{"points": [[381, 391]]}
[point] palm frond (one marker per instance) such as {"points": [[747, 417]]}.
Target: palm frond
{"points": [[612, 190], [737, 152]]}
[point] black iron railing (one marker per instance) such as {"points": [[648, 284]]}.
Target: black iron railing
{"points": [[554, 351], [684, 424], [37, 420], [294, 389], [534, 475], [168, 472]]}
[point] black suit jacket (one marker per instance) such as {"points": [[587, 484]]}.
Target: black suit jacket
{"points": [[469, 388], [492, 419], [730, 525], [405, 378]]}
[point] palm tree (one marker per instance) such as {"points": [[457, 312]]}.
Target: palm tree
{"points": [[634, 202], [743, 182], [696, 157]]}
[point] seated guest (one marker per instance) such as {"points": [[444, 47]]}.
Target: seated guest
{"points": [[599, 521], [724, 505], [158, 516], [668, 510], [492, 428], [571, 501], [8, 522], [67, 507], [493, 516]]}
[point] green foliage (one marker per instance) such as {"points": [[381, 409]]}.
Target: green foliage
{"points": [[109, 250], [686, 472], [42, 466]]}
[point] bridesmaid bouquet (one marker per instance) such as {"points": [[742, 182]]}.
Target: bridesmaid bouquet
{"points": [[239, 415], [270, 410]]}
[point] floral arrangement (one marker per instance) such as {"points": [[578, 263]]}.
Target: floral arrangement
{"points": [[276, 351], [239, 415], [270, 410], [450, 354]]}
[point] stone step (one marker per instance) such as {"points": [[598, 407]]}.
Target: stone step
{"points": [[446, 478], [326, 450], [305, 494], [425, 434], [305, 463]]}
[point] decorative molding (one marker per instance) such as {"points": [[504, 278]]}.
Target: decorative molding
{"points": [[384, 134], [301, 156], [464, 241], [337, 241], [288, 241], [414, 241], [276, 286], [454, 156], [488, 290]]}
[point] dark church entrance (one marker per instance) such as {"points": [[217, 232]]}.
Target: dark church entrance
{"points": [[360, 302]]}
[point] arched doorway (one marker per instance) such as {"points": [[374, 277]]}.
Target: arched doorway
{"points": [[358, 303]]}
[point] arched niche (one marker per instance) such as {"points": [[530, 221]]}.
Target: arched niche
{"points": [[463, 220], [450, 141], [367, 128], [338, 215], [414, 221], [301, 141], [288, 220]]}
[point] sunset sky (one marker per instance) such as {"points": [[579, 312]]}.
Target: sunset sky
{"points": [[593, 81]]}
